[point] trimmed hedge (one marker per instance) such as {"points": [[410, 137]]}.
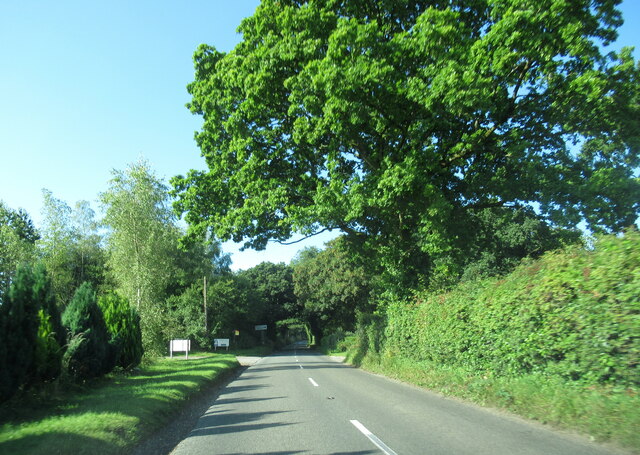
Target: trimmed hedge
{"points": [[573, 314]]}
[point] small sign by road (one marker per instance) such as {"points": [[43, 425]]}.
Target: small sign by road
{"points": [[261, 327], [179, 346], [221, 343]]}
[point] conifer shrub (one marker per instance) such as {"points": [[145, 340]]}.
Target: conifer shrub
{"points": [[51, 336], [88, 353], [18, 333], [48, 353], [123, 324]]}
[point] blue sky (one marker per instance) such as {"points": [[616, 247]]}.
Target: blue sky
{"points": [[91, 86]]}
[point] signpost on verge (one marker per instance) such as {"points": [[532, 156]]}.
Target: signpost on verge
{"points": [[179, 346], [261, 328], [220, 343]]}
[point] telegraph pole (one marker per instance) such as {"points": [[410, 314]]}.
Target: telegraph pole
{"points": [[206, 322]]}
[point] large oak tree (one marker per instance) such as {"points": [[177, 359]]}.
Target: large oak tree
{"points": [[399, 121]]}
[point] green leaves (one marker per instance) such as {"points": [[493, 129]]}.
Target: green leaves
{"points": [[19, 322], [330, 288], [88, 354], [398, 122], [142, 244], [123, 323], [572, 313]]}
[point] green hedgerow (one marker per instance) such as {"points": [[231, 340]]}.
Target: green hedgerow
{"points": [[573, 314]]}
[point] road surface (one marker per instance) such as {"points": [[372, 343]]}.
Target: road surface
{"points": [[300, 402]]}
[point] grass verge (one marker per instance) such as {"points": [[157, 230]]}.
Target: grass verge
{"points": [[111, 415], [605, 414]]}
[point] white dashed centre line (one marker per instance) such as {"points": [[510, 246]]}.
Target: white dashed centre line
{"points": [[373, 438], [314, 383]]}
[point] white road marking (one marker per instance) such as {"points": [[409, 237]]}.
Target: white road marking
{"points": [[301, 367], [373, 438], [315, 384]]}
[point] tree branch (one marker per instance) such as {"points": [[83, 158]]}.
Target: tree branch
{"points": [[304, 238], [508, 113], [491, 205]]}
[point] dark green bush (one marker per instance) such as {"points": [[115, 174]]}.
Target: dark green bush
{"points": [[89, 353], [48, 352], [123, 324], [18, 333], [185, 317], [51, 337], [573, 314]]}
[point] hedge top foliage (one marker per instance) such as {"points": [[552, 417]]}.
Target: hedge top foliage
{"points": [[573, 313]]}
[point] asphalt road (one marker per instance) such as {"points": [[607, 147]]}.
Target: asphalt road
{"points": [[301, 402]]}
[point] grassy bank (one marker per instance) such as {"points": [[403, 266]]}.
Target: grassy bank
{"points": [[111, 415], [606, 414]]}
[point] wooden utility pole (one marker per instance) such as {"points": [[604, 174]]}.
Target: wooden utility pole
{"points": [[206, 322]]}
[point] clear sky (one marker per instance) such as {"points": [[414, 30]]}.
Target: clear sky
{"points": [[91, 86]]}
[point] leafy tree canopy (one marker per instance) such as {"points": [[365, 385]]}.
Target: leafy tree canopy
{"points": [[143, 234], [330, 287], [141, 245], [19, 222], [398, 121], [274, 284], [70, 246], [17, 244]]}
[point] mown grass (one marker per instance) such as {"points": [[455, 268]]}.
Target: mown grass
{"points": [[111, 415], [605, 414]]}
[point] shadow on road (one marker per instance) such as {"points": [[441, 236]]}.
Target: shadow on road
{"points": [[223, 422]]}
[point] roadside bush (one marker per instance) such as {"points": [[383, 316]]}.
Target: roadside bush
{"points": [[573, 314], [18, 333], [89, 353], [48, 352], [340, 341], [330, 341], [185, 317], [123, 323], [51, 336], [370, 337]]}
